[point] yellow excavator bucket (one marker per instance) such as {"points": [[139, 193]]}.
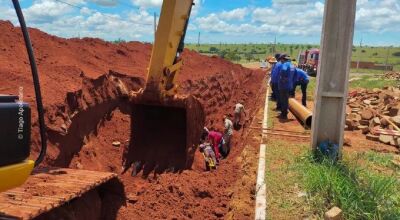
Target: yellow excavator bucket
{"points": [[15, 175], [166, 126]]}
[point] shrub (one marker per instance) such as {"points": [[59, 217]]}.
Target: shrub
{"points": [[396, 54], [213, 50], [232, 56], [249, 56]]}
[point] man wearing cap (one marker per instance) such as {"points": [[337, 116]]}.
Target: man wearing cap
{"points": [[301, 79], [295, 63], [285, 84], [274, 80], [272, 61]]}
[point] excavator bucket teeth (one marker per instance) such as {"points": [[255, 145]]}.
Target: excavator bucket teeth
{"points": [[165, 133]]}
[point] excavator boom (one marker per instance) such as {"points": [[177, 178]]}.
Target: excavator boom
{"points": [[165, 59]]}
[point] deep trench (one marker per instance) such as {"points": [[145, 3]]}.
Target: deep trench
{"points": [[158, 139], [161, 139]]}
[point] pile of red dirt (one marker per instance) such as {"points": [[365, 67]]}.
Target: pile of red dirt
{"points": [[83, 81]]}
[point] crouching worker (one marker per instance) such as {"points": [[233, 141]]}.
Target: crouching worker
{"points": [[301, 79], [209, 156], [215, 138]]}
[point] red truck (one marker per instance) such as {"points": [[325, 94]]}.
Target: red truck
{"points": [[308, 61]]}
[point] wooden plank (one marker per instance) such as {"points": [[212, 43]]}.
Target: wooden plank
{"points": [[47, 196], [287, 135], [377, 131]]}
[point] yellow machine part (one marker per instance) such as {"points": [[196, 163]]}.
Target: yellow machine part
{"points": [[170, 30], [15, 175]]}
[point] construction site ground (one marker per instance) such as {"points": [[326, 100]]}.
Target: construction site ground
{"points": [[288, 141], [85, 115]]}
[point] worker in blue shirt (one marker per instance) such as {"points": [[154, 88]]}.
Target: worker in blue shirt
{"points": [[275, 63], [274, 80], [301, 79], [285, 84]]}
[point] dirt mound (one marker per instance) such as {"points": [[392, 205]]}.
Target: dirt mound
{"points": [[83, 85]]}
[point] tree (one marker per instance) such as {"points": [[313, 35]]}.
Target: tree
{"points": [[375, 54], [222, 53], [232, 56], [249, 56], [213, 50], [396, 54], [363, 51], [118, 41]]}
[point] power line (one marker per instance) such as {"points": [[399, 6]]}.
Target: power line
{"points": [[128, 5], [72, 5], [105, 14]]}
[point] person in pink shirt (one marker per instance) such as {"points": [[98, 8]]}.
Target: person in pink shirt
{"points": [[215, 138]]}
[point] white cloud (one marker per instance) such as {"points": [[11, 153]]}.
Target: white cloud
{"points": [[236, 14], [44, 11], [300, 20], [299, 17], [147, 3], [378, 16], [7, 13], [289, 2], [283, 17], [105, 2], [66, 21], [197, 7]]}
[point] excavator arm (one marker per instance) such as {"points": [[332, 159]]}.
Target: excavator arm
{"points": [[165, 62]]}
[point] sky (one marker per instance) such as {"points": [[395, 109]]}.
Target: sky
{"points": [[218, 21]]}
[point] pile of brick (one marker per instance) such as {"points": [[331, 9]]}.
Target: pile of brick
{"points": [[392, 75], [376, 113]]}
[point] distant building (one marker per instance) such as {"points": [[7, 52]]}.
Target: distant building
{"points": [[371, 65]]}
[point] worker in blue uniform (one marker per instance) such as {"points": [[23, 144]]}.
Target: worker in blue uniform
{"points": [[274, 80], [285, 84], [301, 79]]}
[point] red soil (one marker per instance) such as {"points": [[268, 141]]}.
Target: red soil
{"points": [[81, 86]]}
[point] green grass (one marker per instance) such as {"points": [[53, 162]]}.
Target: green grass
{"points": [[359, 193], [367, 71], [282, 182], [271, 107], [366, 80], [261, 51], [372, 81], [380, 160]]}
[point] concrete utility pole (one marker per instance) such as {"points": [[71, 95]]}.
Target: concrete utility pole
{"points": [[274, 47], [387, 58], [198, 40], [333, 72], [359, 54]]}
